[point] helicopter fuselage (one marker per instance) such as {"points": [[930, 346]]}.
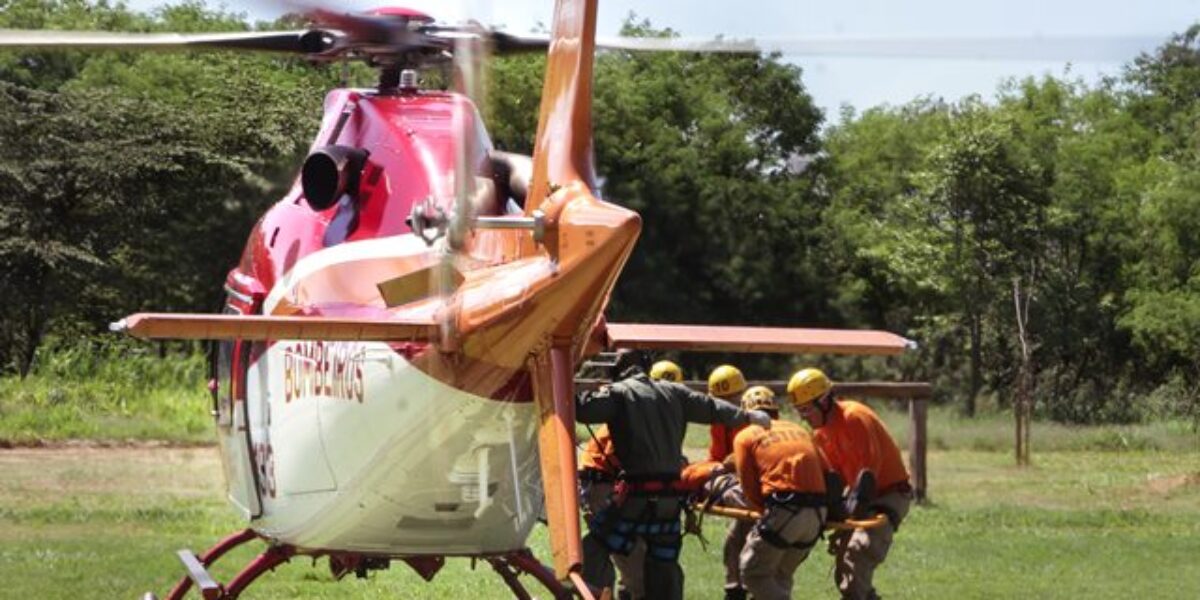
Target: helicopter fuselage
{"points": [[400, 448]]}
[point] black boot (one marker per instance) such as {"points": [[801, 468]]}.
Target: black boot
{"points": [[735, 593]]}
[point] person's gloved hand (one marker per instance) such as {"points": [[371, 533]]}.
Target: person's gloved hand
{"points": [[760, 418], [861, 494], [835, 505]]}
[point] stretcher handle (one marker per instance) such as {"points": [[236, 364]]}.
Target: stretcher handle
{"points": [[744, 514]]}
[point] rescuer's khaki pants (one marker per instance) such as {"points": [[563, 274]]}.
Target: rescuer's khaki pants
{"points": [[631, 569], [767, 569], [735, 536], [597, 567], [857, 553]]}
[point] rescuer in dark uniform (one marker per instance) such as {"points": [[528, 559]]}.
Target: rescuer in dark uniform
{"points": [[598, 470], [647, 420]]}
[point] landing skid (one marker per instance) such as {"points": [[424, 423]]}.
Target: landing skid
{"points": [[510, 566]]}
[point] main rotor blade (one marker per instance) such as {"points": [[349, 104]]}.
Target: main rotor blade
{"points": [[299, 42], [1033, 47]]}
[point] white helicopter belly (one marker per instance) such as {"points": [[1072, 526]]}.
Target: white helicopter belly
{"points": [[359, 450]]}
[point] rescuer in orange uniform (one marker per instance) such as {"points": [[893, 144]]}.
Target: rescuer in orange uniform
{"points": [[715, 476], [854, 439], [727, 383], [783, 476]]}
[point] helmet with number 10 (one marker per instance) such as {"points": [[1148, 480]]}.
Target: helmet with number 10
{"points": [[726, 382]]}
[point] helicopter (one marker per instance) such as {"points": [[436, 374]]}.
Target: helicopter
{"points": [[393, 375]]}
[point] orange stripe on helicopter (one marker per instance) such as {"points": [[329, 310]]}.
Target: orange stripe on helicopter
{"points": [[785, 340]]}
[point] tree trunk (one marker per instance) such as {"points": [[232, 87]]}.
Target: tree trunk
{"points": [[34, 323], [1023, 400], [28, 340], [975, 327]]}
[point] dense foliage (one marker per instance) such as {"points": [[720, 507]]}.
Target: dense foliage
{"points": [[1084, 197], [130, 181]]}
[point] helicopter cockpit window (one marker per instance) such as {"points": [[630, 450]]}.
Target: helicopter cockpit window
{"points": [[223, 388], [486, 197], [502, 178], [224, 373], [510, 175]]}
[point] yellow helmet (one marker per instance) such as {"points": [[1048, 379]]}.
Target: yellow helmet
{"points": [[759, 397], [667, 371], [726, 381], [807, 385]]}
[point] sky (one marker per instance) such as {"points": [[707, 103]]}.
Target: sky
{"points": [[860, 82]]}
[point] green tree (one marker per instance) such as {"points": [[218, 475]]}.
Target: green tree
{"points": [[191, 147], [872, 238], [700, 146], [941, 207], [1164, 85], [986, 206], [1163, 312], [1163, 309], [1090, 149], [83, 177], [717, 154]]}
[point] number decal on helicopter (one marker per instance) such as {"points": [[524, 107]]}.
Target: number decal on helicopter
{"points": [[264, 460], [322, 369]]}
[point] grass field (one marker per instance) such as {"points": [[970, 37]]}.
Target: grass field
{"points": [[1105, 512], [121, 391], [1114, 523]]}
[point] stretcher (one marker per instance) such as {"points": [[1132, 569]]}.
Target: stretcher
{"points": [[745, 514]]}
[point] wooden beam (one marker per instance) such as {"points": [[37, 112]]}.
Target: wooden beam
{"points": [[734, 338], [869, 389]]}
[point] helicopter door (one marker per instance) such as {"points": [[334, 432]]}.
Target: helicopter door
{"points": [[233, 419]]}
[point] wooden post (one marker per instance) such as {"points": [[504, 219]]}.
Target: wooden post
{"points": [[917, 412]]}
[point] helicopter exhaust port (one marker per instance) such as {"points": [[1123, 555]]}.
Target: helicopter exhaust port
{"points": [[331, 172]]}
